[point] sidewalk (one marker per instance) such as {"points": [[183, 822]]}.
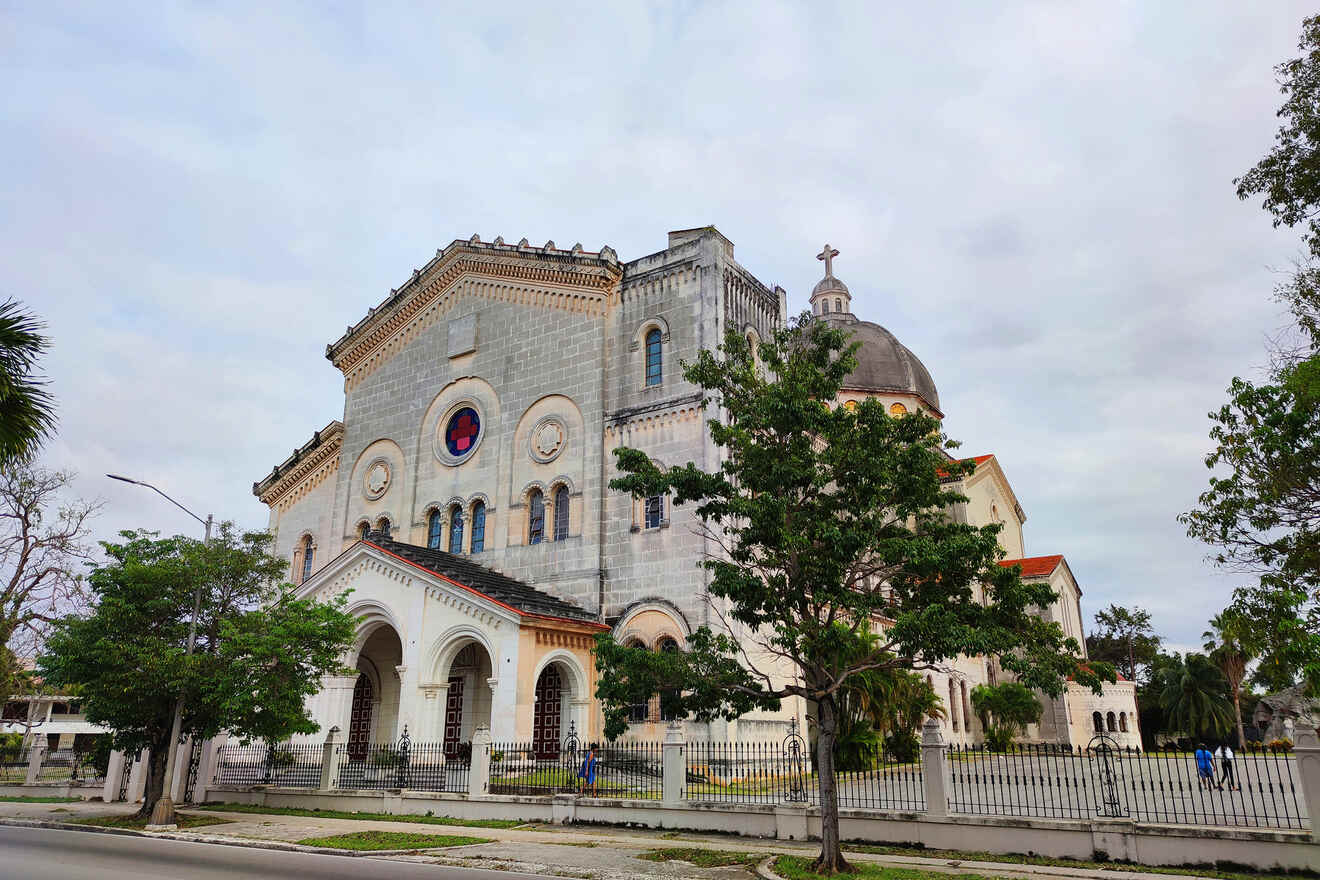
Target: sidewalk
{"points": [[593, 853]]}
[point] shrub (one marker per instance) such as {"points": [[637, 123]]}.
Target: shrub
{"points": [[1280, 745], [902, 746]]}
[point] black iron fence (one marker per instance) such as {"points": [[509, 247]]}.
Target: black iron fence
{"points": [[747, 773], [13, 766], [290, 765], [1256, 789], [521, 768]]}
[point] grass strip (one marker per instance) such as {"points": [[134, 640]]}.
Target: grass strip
{"points": [[795, 868], [373, 840], [39, 800], [703, 858], [374, 817], [131, 820], [1047, 861]]}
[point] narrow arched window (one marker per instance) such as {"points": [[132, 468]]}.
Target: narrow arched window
{"points": [[1111, 722], [535, 517], [825, 306], [308, 549], [1122, 722], [383, 526], [1098, 722], [654, 511], [561, 513], [668, 711], [455, 529], [838, 305], [363, 528], [478, 526], [967, 709], [654, 357], [434, 524], [953, 706]]}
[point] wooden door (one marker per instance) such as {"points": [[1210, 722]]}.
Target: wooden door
{"points": [[545, 720], [453, 716], [359, 722]]}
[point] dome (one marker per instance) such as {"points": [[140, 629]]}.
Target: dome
{"points": [[830, 284], [885, 364]]}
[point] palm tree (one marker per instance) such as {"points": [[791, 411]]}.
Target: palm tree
{"points": [[1226, 643], [1194, 697], [27, 409]]}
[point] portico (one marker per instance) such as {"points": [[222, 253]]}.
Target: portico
{"points": [[445, 645]]}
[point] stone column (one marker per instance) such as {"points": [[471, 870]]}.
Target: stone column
{"points": [[479, 774], [579, 715], [181, 764], [137, 777], [1307, 754], [503, 707], [330, 757], [431, 724], [36, 754], [206, 767], [935, 770], [673, 774], [113, 774]]}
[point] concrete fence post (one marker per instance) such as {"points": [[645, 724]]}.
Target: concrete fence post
{"points": [[36, 755], [673, 775], [113, 774], [329, 760], [137, 779], [206, 767], [479, 773], [935, 770], [1307, 753]]}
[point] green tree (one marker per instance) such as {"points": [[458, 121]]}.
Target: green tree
{"points": [[260, 650], [1005, 710], [828, 521], [1125, 638], [1194, 697], [1263, 513], [1228, 643], [27, 409]]}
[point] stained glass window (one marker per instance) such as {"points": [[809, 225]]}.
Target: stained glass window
{"points": [[456, 529], [655, 511], [434, 524], [307, 558], [561, 513], [654, 358], [478, 527], [462, 432], [535, 517]]}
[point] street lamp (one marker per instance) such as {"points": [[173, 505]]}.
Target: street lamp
{"points": [[162, 815]]}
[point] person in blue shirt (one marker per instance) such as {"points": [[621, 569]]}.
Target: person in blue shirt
{"points": [[1205, 767], [587, 773]]}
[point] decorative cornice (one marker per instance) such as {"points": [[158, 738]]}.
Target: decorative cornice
{"points": [[687, 408], [586, 281], [306, 462]]}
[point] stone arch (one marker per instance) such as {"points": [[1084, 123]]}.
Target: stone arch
{"points": [[576, 677], [363, 501], [654, 322], [373, 615], [448, 645], [649, 620]]}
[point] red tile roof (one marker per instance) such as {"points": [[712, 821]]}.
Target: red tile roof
{"points": [[1035, 566], [979, 459]]}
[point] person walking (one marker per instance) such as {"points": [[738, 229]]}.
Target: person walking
{"points": [[1225, 756], [1205, 767], [587, 773]]}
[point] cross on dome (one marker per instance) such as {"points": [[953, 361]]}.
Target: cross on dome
{"points": [[828, 254]]}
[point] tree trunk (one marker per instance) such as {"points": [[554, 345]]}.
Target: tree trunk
{"points": [[831, 854], [155, 785], [1237, 710]]}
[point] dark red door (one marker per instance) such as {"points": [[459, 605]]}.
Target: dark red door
{"points": [[453, 717], [359, 722], [545, 720]]}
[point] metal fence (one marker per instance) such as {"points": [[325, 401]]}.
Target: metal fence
{"points": [[439, 766], [1102, 780], [521, 768], [13, 767], [747, 773], [291, 765], [887, 785]]}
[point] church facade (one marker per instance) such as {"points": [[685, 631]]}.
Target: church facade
{"points": [[463, 497]]}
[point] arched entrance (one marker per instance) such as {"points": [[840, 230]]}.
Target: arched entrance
{"points": [[464, 666], [374, 717], [359, 720], [548, 712]]}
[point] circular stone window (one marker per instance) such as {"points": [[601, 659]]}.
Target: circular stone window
{"points": [[547, 440], [460, 434], [376, 480]]}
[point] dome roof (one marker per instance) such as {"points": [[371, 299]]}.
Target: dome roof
{"points": [[829, 284], [885, 364]]}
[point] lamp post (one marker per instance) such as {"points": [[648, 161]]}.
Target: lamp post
{"points": [[162, 815]]}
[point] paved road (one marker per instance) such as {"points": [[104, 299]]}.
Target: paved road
{"points": [[49, 854]]}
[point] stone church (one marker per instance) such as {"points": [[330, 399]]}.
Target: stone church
{"points": [[463, 498]]}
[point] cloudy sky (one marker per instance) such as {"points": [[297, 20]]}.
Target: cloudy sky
{"points": [[1037, 200]]}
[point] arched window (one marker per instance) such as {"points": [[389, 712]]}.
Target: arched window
{"points": [[654, 357], [838, 304], [535, 517], [363, 528], [825, 306], [1098, 722], [561, 513], [953, 706], [455, 529], [967, 709], [478, 526], [638, 712], [1122, 722], [383, 526], [308, 549], [434, 523], [654, 511], [897, 409], [1111, 722]]}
